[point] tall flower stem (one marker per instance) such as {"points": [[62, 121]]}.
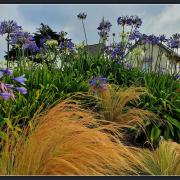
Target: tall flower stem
{"points": [[84, 32], [8, 50]]}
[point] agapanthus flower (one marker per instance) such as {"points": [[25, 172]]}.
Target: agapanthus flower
{"points": [[104, 25], [150, 39], [174, 41], [31, 46], [42, 44], [20, 38], [162, 38], [136, 21], [98, 84], [70, 45], [5, 95], [82, 15], [7, 90], [129, 21], [20, 79], [6, 71], [116, 51], [10, 86], [135, 35], [22, 90], [67, 45], [9, 27], [122, 20]]}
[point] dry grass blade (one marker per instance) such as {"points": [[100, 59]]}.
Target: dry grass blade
{"points": [[61, 144], [114, 103], [165, 160]]}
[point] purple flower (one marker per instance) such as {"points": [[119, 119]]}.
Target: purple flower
{"points": [[22, 90], [9, 27], [31, 46], [5, 95], [1, 74], [135, 35], [9, 86], [82, 15], [129, 21], [136, 21], [70, 45], [8, 71], [104, 25], [162, 38], [98, 84], [122, 20], [174, 41], [20, 38], [20, 79]]}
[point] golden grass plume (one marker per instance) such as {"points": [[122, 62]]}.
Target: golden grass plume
{"points": [[61, 144]]}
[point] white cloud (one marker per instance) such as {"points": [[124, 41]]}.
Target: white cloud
{"points": [[167, 22]]}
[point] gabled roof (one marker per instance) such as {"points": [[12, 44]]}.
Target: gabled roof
{"points": [[95, 48], [167, 49]]}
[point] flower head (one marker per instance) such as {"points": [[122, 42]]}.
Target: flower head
{"points": [[162, 38], [104, 25], [9, 27], [5, 95], [22, 90], [122, 20], [174, 41], [31, 46], [20, 79], [98, 84], [129, 21], [82, 15]]}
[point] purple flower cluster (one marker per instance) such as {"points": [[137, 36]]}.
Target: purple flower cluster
{"points": [[116, 51], [174, 41], [104, 25], [7, 90], [25, 40], [104, 28], [153, 39], [134, 21], [67, 45], [135, 36], [98, 84], [8, 27], [82, 15]]}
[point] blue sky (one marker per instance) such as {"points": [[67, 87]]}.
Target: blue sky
{"points": [[157, 19]]}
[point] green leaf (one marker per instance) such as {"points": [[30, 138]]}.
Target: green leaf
{"points": [[155, 133], [172, 121]]}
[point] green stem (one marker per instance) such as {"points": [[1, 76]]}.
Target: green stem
{"points": [[84, 31], [8, 50]]}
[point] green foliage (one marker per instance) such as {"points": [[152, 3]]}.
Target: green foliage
{"points": [[46, 86]]}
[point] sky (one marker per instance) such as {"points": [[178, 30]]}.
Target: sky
{"points": [[157, 19]]}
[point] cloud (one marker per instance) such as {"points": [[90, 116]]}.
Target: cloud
{"points": [[167, 22]]}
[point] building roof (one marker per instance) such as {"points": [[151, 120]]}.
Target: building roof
{"points": [[164, 47], [94, 48]]}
